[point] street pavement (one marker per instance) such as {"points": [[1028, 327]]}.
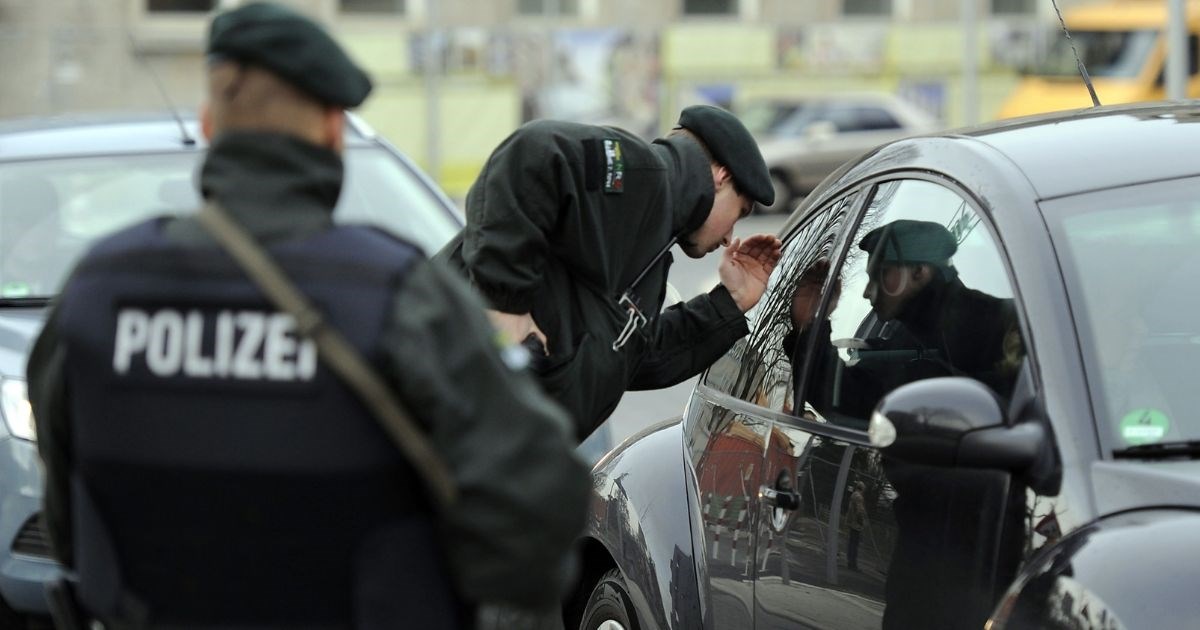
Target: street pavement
{"points": [[638, 410]]}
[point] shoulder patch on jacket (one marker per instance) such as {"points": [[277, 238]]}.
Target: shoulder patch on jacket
{"points": [[614, 167]]}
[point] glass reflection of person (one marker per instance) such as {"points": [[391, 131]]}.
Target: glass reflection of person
{"points": [[856, 520], [924, 322]]}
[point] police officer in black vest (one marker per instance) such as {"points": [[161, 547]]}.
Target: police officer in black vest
{"points": [[205, 467]]}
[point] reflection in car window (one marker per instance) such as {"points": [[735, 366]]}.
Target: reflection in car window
{"points": [[757, 369], [1129, 257], [51, 210], [923, 292]]}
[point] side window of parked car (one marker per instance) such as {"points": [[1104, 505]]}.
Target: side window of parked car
{"points": [[922, 292], [849, 118], [758, 369]]}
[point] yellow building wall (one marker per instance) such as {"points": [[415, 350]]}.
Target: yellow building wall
{"points": [[473, 117]]}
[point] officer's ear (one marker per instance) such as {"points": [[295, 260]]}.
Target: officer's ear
{"points": [[333, 128], [720, 175], [206, 120], [922, 274]]}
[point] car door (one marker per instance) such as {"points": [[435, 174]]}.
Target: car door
{"points": [[870, 542], [726, 429]]}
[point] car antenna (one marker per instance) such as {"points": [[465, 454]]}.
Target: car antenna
{"points": [[1087, 80], [188, 140]]}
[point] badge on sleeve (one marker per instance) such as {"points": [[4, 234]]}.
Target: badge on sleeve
{"points": [[614, 167]]}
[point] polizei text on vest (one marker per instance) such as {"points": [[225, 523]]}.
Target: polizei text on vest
{"points": [[232, 344]]}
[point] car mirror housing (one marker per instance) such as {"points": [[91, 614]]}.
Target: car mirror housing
{"points": [[953, 421]]}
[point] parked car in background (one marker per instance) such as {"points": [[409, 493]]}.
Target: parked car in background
{"points": [[871, 471], [66, 182], [804, 139]]}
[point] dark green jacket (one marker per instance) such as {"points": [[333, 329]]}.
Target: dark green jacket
{"points": [[523, 491], [562, 220]]}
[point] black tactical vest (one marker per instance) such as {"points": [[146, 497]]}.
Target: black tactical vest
{"points": [[222, 475]]}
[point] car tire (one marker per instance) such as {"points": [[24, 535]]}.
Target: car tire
{"points": [[783, 196], [609, 607]]}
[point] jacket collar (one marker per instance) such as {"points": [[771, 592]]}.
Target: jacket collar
{"points": [[274, 184], [689, 180]]}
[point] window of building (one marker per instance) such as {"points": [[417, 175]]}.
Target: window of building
{"points": [[180, 6], [867, 7], [372, 6], [548, 7], [710, 7], [1013, 7]]}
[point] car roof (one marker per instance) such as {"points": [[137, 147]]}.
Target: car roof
{"points": [[107, 133], [1065, 153]]}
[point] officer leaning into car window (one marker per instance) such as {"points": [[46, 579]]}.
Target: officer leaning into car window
{"points": [[924, 322], [203, 464], [567, 237]]}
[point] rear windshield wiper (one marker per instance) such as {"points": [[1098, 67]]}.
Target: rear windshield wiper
{"points": [[34, 301], [1160, 450]]}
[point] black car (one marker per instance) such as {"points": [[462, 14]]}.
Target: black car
{"points": [[64, 182], [1013, 446]]}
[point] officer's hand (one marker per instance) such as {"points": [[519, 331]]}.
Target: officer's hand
{"points": [[746, 264], [514, 328]]}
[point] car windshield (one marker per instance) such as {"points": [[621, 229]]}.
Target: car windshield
{"points": [[51, 210], [1118, 54], [1130, 258]]}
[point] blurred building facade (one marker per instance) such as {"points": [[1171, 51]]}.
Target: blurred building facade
{"points": [[488, 65]]}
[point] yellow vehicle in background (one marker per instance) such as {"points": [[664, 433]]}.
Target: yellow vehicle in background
{"points": [[1123, 45]]}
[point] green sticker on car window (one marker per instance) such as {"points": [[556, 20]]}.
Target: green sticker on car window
{"points": [[1144, 426], [14, 290]]}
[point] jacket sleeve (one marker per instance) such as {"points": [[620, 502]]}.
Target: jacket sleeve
{"points": [[511, 209], [523, 490], [687, 338], [47, 391]]}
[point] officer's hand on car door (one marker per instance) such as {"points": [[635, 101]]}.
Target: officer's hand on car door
{"points": [[516, 328], [746, 264]]}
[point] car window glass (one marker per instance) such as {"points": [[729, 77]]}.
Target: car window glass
{"points": [[757, 369], [1128, 256], [874, 119], [922, 292]]}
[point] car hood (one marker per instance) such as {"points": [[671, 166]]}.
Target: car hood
{"points": [[1126, 485], [18, 328]]}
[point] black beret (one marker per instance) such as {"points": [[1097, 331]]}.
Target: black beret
{"points": [[291, 46], [733, 147], [907, 241]]}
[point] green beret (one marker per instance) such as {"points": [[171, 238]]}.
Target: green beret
{"points": [[733, 147], [291, 46], [907, 241]]}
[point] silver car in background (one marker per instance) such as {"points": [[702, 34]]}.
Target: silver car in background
{"points": [[805, 138]]}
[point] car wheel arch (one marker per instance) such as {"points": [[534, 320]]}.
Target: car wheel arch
{"points": [[640, 521]]}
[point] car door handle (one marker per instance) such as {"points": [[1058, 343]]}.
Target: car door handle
{"points": [[783, 499]]}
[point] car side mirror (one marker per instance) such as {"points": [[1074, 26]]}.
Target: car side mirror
{"points": [[953, 421], [820, 131]]}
